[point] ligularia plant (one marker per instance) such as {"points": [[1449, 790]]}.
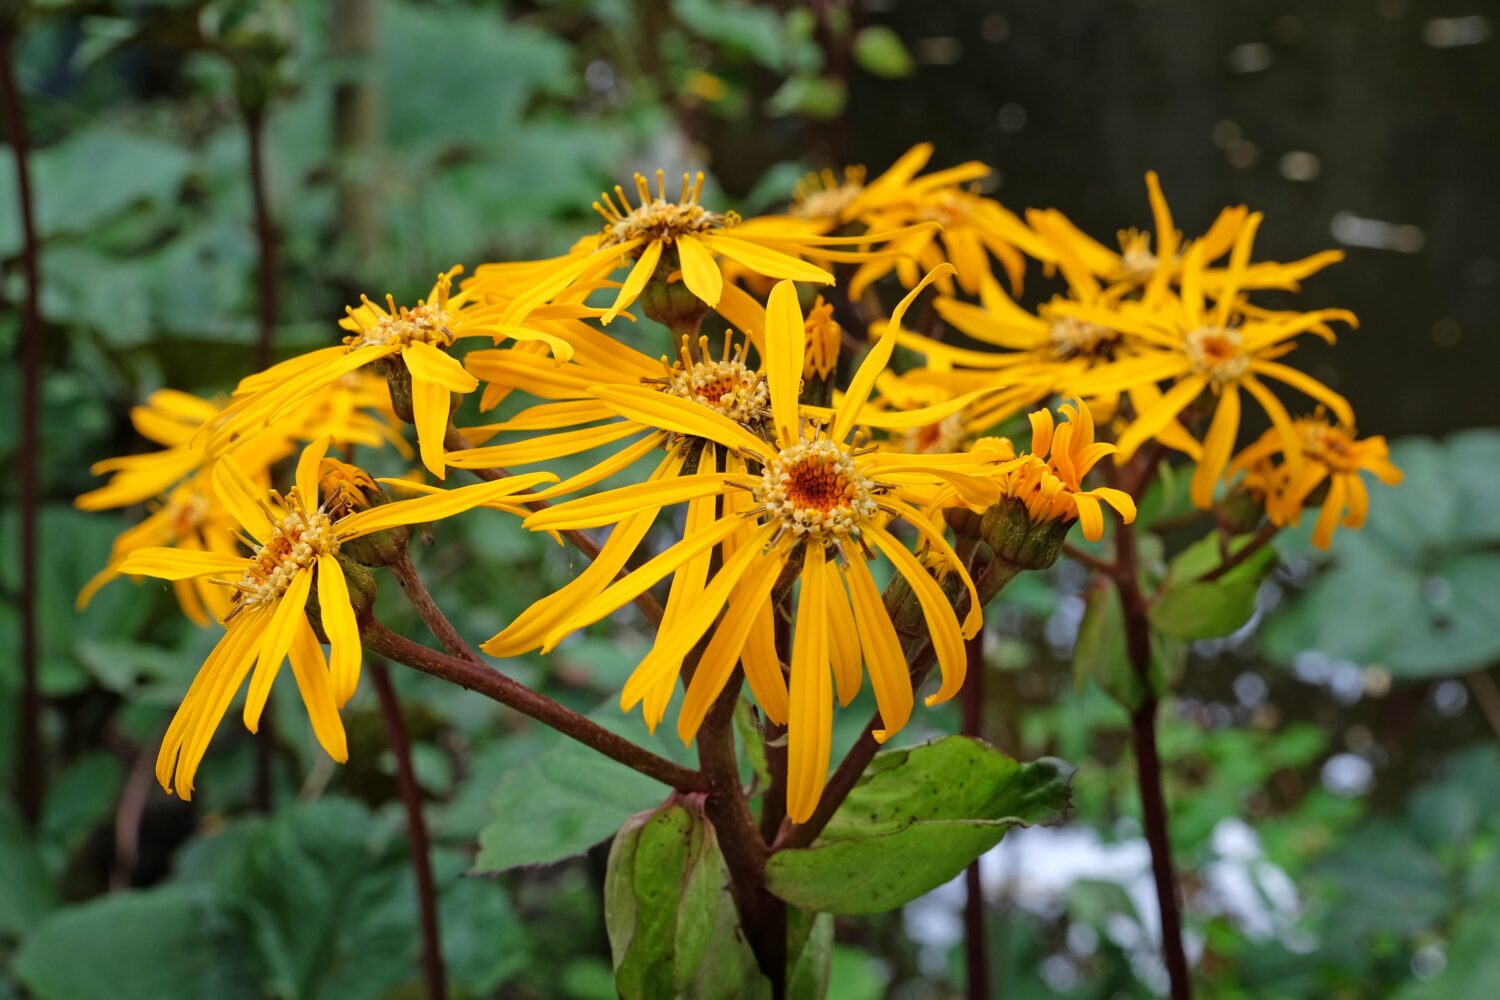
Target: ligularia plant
{"points": [[850, 436]]}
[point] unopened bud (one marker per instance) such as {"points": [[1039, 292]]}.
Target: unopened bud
{"points": [[348, 489], [360, 583], [823, 337], [1009, 531], [670, 303]]}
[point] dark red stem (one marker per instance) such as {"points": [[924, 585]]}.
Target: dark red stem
{"points": [[1148, 765], [416, 831], [976, 941], [496, 686], [30, 785], [266, 285]]}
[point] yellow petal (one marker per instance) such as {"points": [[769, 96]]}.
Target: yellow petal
{"points": [[681, 416], [437, 506], [641, 273], [181, 564], [786, 348], [699, 272], [432, 365], [312, 676], [341, 627], [889, 676], [1218, 443], [431, 405], [810, 720], [765, 261], [290, 613], [308, 465], [942, 623]]}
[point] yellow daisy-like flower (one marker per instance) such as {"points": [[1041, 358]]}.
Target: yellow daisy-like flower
{"points": [[407, 344], [188, 518], [1143, 264], [295, 542], [1220, 348], [968, 229], [683, 237], [809, 502], [1329, 477], [1049, 481]]}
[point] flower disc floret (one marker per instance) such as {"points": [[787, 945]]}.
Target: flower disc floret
{"points": [[1215, 351], [294, 546], [424, 323], [816, 491]]}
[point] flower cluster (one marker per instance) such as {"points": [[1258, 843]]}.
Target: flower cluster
{"points": [[798, 455]]}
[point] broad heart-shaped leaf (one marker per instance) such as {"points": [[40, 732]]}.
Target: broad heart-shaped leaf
{"points": [[916, 819], [1191, 608], [176, 941], [673, 926], [569, 798]]}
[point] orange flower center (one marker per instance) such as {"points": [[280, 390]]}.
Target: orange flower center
{"points": [[1215, 351], [816, 491]]}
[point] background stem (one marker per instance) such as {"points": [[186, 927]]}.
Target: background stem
{"points": [[30, 784], [266, 285], [1148, 764], [416, 831]]}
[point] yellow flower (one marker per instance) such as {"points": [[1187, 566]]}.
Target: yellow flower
{"points": [[681, 236], [295, 542], [1220, 348], [1140, 264], [968, 230], [189, 518], [1050, 481], [824, 337], [1333, 458], [418, 337], [810, 502]]}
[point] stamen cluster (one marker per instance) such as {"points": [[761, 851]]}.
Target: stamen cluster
{"points": [[825, 195], [1071, 337], [656, 218], [944, 437], [295, 544], [425, 323], [816, 491]]}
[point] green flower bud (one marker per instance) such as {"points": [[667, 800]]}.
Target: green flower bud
{"points": [[1009, 531]]}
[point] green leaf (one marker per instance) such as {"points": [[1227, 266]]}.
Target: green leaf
{"points": [[176, 941], [754, 743], [1192, 608], [879, 50], [811, 961], [752, 29], [811, 96], [1099, 654], [28, 894], [566, 799], [673, 926], [79, 800], [917, 818], [89, 179]]}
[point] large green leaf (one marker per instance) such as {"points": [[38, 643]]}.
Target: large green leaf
{"points": [[566, 799], [1191, 608], [915, 820], [176, 941]]}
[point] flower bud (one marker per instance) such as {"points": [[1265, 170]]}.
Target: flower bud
{"points": [[1240, 512], [824, 337], [670, 303], [362, 592], [1009, 531], [906, 610], [348, 489]]}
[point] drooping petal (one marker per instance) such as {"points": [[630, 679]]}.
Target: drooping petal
{"points": [[810, 720], [432, 365], [431, 405], [942, 623], [882, 651], [313, 683], [786, 348], [1218, 443], [341, 627], [290, 612], [639, 275]]}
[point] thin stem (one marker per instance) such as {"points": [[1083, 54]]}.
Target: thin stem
{"points": [[416, 830], [30, 785], [650, 606], [1094, 563], [1148, 765], [1263, 537], [496, 686], [976, 940], [266, 285], [921, 659], [426, 608]]}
